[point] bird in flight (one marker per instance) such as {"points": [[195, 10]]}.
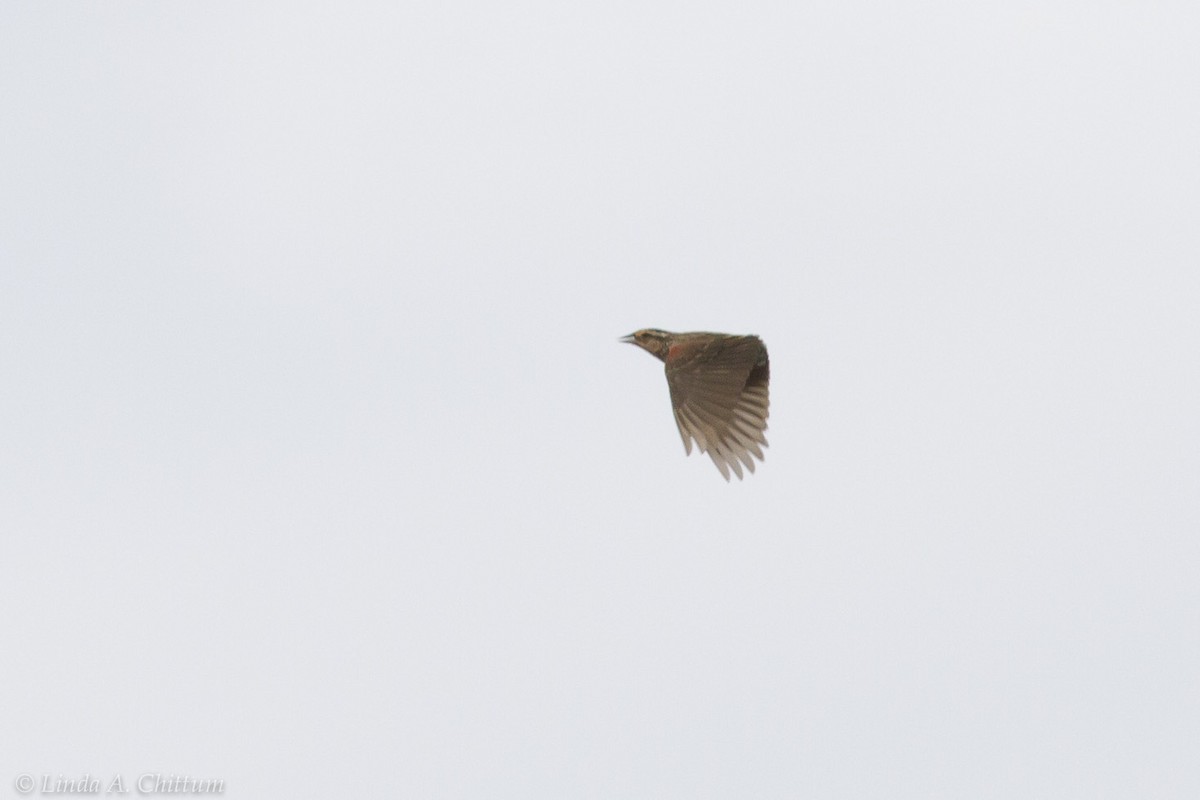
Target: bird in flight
{"points": [[719, 391]]}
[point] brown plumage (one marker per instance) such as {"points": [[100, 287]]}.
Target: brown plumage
{"points": [[719, 390]]}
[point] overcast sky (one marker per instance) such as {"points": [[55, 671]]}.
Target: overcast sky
{"points": [[323, 473]]}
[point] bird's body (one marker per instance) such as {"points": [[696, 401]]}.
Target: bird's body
{"points": [[719, 391]]}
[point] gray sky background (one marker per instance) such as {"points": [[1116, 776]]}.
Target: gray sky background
{"points": [[322, 471]]}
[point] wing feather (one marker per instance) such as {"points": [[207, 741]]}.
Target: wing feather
{"points": [[720, 392]]}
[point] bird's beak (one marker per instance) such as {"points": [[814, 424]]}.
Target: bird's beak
{"points": [[630, 339]]}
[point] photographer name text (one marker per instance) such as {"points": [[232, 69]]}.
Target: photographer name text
{"points": [[147, 783]]}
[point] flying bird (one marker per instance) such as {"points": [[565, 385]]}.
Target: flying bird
{"points": [[719, 391]]}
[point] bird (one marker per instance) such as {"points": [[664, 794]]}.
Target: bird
{"points": [[719, 391]]}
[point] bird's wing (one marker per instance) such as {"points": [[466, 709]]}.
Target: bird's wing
{"points": [[719, 391]]}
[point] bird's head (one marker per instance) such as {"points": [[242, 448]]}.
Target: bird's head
{"points": [[652, 340]]}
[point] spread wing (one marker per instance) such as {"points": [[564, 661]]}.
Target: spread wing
{"points": [[719, 390]]}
